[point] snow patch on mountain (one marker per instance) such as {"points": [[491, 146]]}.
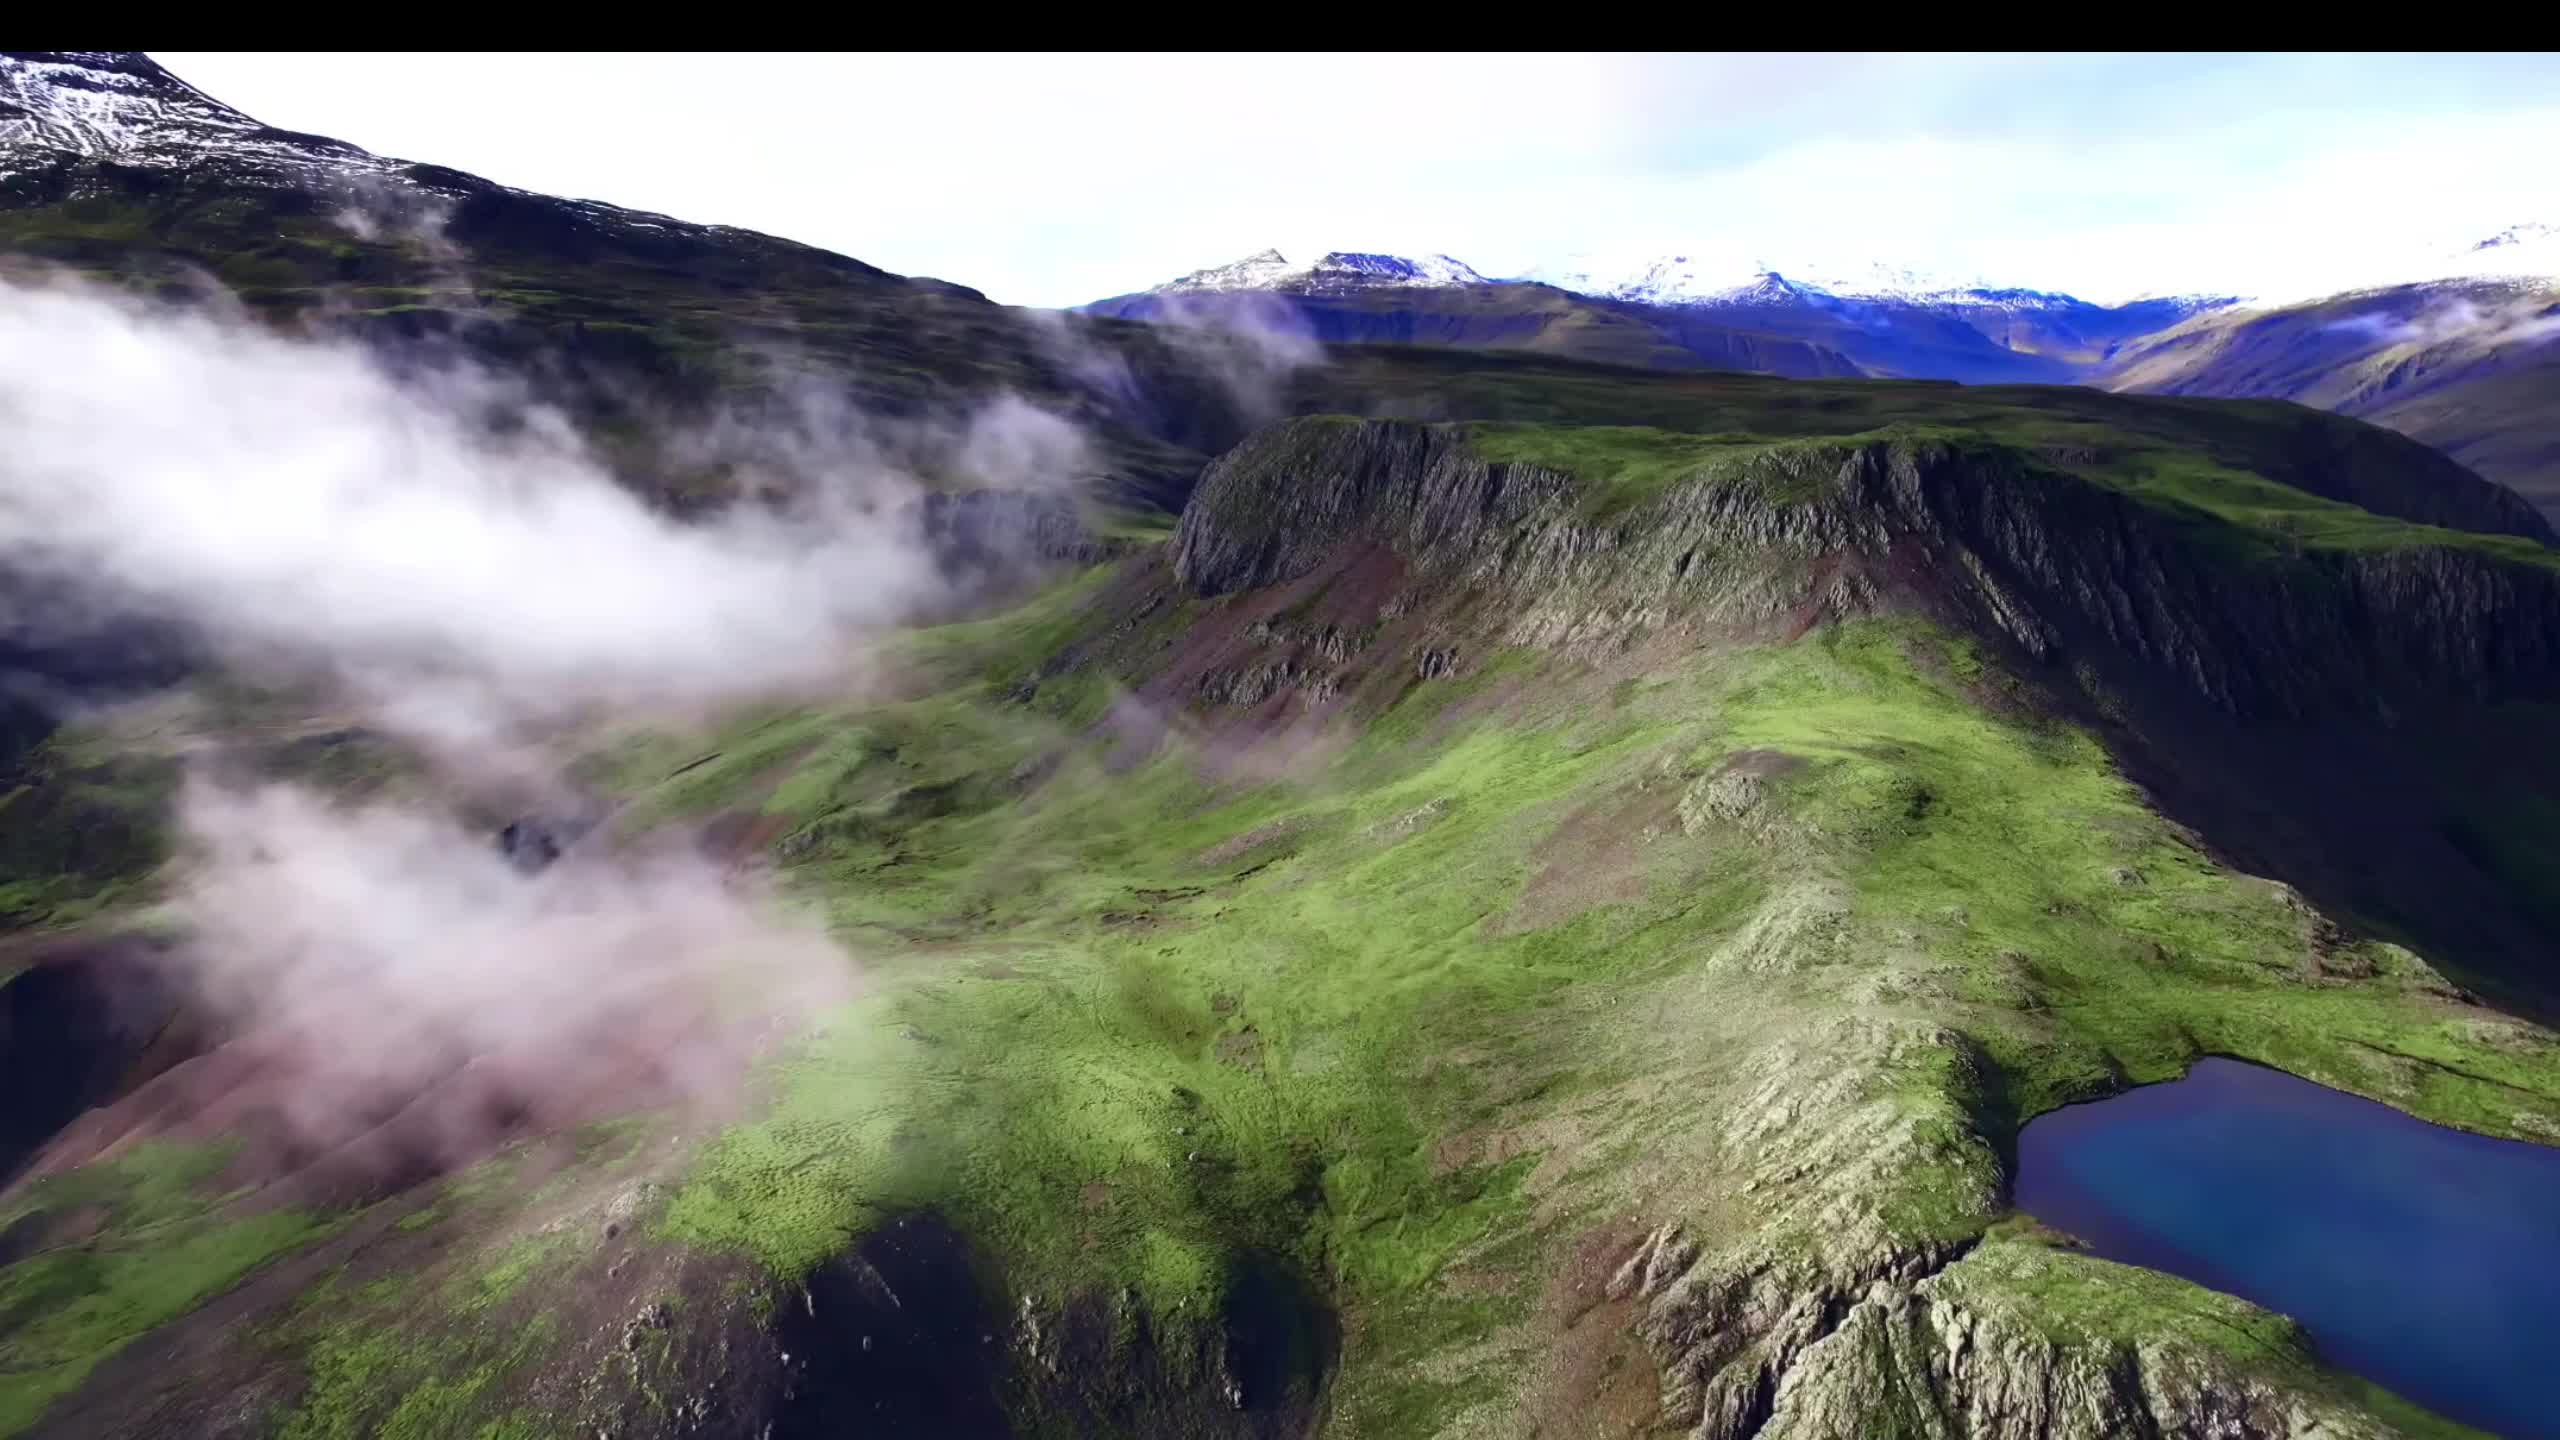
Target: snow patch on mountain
{"points": [[87, 108], [123, 107], [2529, 251], [1337, 271], [1397, 270], [1743, 280], [2527, 254]]}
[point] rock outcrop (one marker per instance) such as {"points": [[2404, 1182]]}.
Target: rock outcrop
{"points": [[1836, 1314], [2064, 568]]}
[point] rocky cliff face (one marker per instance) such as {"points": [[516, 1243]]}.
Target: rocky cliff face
{"points": [[2065, 568], [1943, 1349]]}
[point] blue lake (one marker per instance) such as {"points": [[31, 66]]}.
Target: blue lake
{"points": [[2424, 1259]]}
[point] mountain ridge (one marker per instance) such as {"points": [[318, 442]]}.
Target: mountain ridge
{"points": [[2458, 360], [1505, 891], [2527, 250]]}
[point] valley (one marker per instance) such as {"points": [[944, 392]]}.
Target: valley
{"points": [[1409, 856]]}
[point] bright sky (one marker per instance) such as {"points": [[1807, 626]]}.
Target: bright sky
{"points": [[1056, 179]]}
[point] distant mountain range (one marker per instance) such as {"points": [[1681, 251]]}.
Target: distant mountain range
{"points": [[2463, 353], [2461, 350]]}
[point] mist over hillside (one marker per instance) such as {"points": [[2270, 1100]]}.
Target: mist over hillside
{"points": [[612, 825]]}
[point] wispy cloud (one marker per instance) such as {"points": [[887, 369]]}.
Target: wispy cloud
{"points": [[448, 560], [2521, 322]]}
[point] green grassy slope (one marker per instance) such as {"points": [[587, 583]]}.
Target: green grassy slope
{"points": [[1440, 1002], [2243, 444], [1377, 1016], [1497, 981]]}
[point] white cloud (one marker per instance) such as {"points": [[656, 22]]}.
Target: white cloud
{"points": [[402, 998], [295, 501], [392, 993]]}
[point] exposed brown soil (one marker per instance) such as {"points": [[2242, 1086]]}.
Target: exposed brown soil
{"points": [[1236, 847], [1599, 1380], [1596, 857], [1242, 1049]]}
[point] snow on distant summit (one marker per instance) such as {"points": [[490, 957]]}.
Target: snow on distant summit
{"points": [[2522, 257], [2528, 251], [1338, 271], [1685, 280], [1736, 280], [1267, 270], [122, 106]]}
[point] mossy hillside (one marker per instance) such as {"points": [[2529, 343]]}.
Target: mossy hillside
{"points": [[2035, 1279], [429, 1314], [1127, 1024], [480, 1287], [1593, 534], [81, 832], [1507, 969], [1624, 467], [2205, 442], [164, 1242], [1417, 1025], [1114, 1049]]}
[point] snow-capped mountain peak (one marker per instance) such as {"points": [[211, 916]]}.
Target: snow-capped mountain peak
{"points": [[2527, 251], [1657, 280], [123, 106], [1339, 270], [1737, 280], [1397, 270], [1264, 270]]}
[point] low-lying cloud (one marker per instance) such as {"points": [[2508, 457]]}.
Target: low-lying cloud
{"points": [[463, 570], [407, 999], [2458, 319], [1251, 341], [289, 495], [1246, 344]]}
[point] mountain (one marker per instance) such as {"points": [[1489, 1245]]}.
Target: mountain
{"points": [[1339, 272], [2460, 360], [1350, 298], [124, 108], [2469, 366], [2529, 251], [1684, 280], [1672, 311], [1485, 893], [112, 168]]}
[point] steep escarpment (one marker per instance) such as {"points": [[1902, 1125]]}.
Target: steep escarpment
{"points": [[2062, 565]]}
